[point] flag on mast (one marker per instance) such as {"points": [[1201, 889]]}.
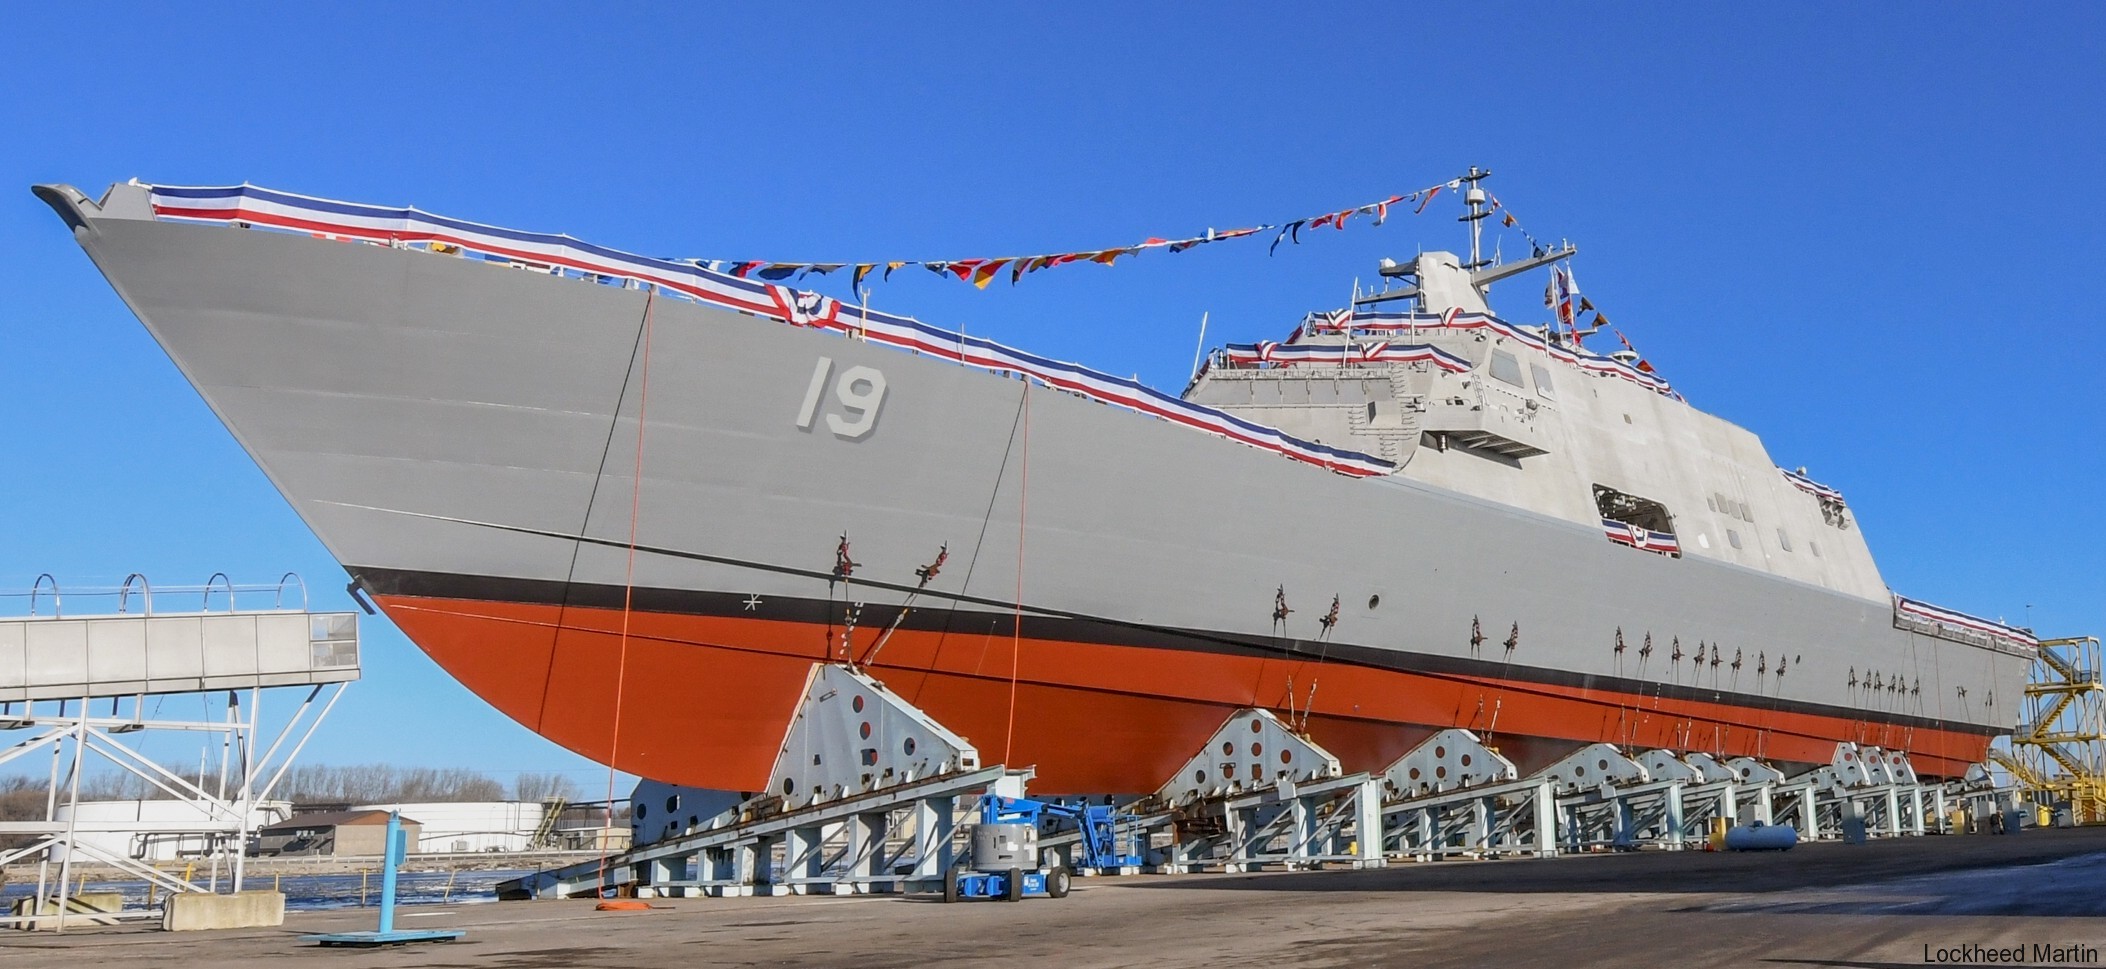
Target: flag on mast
{"points": [[1565, 291]]}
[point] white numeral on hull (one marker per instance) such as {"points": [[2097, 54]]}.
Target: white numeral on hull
{"points": [[860, 391]]}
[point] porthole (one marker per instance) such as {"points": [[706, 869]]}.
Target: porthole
{"points": [[643, 811], [864, 730], [908, 746], [1256, 725], [1373, 601], [1440, 772], [1466, 760], [1286, 757], [1228, 748], [672, 804], [1199, 777], [1439, 752], [1414, 773], [1257, 750], [789, 786], [856, 704]]}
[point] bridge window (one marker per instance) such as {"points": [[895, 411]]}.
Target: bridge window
{"points": [[1505, 368]]}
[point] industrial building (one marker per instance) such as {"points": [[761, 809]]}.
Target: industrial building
{"points": [[470, 826], [341, 833]]}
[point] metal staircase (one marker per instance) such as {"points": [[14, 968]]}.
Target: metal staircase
{"points": [[2058, 751]]}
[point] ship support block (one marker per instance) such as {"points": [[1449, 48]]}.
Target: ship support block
{"points": [[845, 818]]}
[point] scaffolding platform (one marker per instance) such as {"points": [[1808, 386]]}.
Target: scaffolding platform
{"points": [[78, 685]]}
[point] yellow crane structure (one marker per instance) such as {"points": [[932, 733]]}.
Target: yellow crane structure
{"points": [[2058, 751]]}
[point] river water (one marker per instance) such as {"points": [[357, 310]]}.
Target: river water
{"points": [[315, 892]]}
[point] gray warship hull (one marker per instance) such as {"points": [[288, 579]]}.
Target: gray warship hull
{"points": [[465, 440]]}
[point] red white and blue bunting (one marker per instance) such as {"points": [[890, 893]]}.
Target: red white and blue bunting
{"points": [[1348, 354], [1812, 487], [1938, 615], [1624, 533], [1458, 322], [565, 256]]}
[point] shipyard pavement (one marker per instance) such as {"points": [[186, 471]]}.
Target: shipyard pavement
{"points": [[1937, 900]]}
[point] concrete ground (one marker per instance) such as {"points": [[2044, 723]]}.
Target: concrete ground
{"points": [[1886, 904]]}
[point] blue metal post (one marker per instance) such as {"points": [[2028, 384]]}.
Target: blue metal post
{"points": [[391, 857]]}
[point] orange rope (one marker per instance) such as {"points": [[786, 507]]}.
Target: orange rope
{"points": [[621, 668], [1016, 628]]}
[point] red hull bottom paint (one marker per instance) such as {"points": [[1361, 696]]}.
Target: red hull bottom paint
{"points": [[706, 699]]}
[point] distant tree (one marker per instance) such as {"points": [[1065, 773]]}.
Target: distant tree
{"points": [[22, 796], [538, 786]]}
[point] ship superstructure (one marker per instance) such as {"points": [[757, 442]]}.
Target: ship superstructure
{"points": [[1498, 528]]}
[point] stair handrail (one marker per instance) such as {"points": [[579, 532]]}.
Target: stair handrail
{"points": [[57, 603], [221, 578], [278, 601], [124, 593]]}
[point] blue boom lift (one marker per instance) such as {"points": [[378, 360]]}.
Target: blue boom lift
{"points": [[1005, 841]]}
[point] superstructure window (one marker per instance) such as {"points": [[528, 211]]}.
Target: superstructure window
{"points": [[1542, 375], [1732, 538], [1505, 368], [1784, 541]]}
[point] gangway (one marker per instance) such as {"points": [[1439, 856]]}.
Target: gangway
{"points": [[92, 689]]}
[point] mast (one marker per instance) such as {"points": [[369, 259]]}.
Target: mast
{"points": [[1474, 197]]}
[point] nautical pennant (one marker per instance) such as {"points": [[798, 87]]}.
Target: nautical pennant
{"points": [[980, 272]]}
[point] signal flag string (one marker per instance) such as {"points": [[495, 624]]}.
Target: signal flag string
{"points": [[980, 272]]}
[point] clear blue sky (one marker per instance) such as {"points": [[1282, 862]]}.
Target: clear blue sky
{"points": [[1869, 234]]}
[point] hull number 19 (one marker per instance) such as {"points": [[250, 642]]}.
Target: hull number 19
{"points": [[859, 392]]}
